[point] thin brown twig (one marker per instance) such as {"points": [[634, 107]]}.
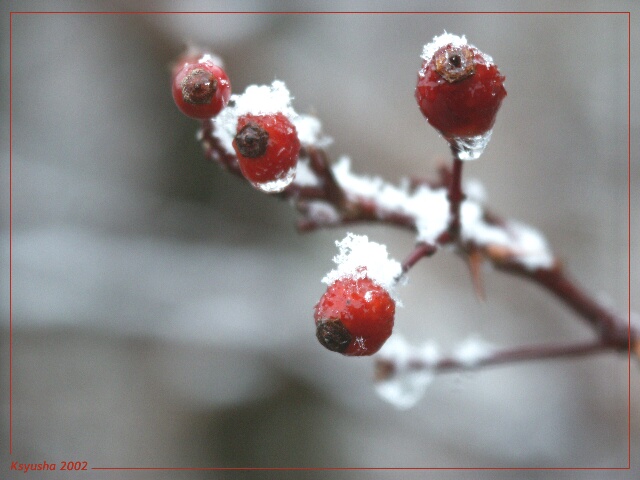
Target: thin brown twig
{"points": [[386, 369], [607, 325], [421, 250]]}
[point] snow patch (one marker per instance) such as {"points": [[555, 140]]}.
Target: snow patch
{"points": [[305, 177], [322, 212], [528, 245], [429, 207], [356, 252], [407, 385], [472, 351]]}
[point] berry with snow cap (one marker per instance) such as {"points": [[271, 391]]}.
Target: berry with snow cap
{"points": [[459, 88], [267, 148], [355, 316], [200, 89]]}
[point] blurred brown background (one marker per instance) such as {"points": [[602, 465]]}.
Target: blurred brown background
{"points": [[162, 310]]}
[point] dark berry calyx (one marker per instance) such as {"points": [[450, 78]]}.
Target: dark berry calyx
{"points": [[252, 140], [455, 63], [199, 87], [333, 335]]}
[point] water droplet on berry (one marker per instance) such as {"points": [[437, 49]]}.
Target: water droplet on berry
{"points": [[470, 148], [275, 186]]}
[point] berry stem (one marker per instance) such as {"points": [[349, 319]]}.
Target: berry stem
{"points": [[213, 150], [335, 195], [421, 250], [455, 196]]}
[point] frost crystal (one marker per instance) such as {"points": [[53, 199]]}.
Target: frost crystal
{"points": [[429, 207], [266, 100], [406, 386], [356, 251]]}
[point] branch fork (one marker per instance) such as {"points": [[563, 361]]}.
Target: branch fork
{"points": [[341, 208]]}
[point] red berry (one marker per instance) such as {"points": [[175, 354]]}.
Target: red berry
{"points": [[201, 89], [459, 91], [354, 316], [267, 147]]}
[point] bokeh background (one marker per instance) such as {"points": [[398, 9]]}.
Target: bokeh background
{"points": [[162, 309]]}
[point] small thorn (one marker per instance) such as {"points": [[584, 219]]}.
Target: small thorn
{"points": [[475, 260]]}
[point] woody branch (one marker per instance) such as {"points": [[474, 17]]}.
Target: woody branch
{"points": [[613, 333]]}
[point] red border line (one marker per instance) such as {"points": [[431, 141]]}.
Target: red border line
{"points": [[628, 14], [320, 13], [10, 233], [333, 469], [629, 230]]}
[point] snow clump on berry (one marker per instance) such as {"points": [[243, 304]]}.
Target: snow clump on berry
{"points": [[310, 131], [359, 258], [266, 100]]}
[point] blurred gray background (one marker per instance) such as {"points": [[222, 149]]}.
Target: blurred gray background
{"points": [[162, 309]]}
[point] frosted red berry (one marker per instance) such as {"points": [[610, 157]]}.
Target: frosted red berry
{"points": [[354, 316], [267, 147], [459, 91], [201, 89]]}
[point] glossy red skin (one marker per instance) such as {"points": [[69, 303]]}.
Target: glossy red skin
{"points": [[369, 322], [465, 108], [282, 149], [219, 99]]}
